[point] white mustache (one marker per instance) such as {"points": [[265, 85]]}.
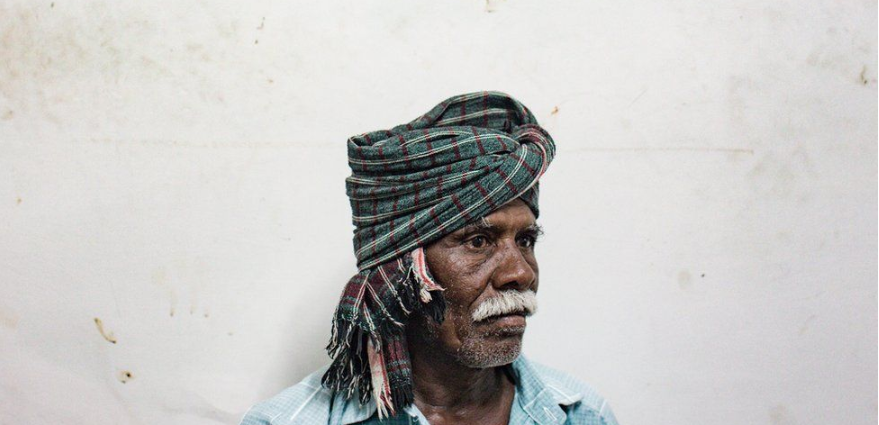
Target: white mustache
{"points": [[507, 302]]}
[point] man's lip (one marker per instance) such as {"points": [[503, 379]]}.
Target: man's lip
{"points": [[509, 319]]}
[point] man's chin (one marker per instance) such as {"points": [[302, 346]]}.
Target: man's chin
{"points": [[493, 350]]}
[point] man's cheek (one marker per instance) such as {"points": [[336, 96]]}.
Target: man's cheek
{"points": [[461, 322]]}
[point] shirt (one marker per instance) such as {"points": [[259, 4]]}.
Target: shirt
{"points": [[543, 396]]}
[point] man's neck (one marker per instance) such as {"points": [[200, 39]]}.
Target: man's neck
{"points": [[448, 392]]}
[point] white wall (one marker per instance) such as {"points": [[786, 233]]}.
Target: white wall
{"points": [[175, 169]]}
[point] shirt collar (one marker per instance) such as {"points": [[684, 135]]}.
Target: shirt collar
{"points": [[355, 412], [541, 401]]}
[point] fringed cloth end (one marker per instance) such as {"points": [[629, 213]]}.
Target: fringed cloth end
{"points": [[368, 342]]}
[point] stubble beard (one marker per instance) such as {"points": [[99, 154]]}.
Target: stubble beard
{"points": [[477, 353], [477, 350]]}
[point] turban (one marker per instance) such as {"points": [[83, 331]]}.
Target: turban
{"points": [[409, 186]]}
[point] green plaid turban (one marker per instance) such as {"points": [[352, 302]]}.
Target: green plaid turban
{"points": [[409, 186]]}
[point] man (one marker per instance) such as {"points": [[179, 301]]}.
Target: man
{"points": [[429, 331]]}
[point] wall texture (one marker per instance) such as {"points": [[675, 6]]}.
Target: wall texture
{"points": [[174, 232]]}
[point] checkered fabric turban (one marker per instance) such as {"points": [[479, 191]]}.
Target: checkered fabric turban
{"points": [[409, 186]]}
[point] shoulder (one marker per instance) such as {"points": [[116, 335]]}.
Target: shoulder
{"points": [[576, 397], [307, 402]]}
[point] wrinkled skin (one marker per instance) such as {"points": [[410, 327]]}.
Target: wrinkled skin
{"points": [[455, 364]]}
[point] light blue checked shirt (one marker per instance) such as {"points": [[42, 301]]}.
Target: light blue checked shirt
{"points": [[543, 396]]}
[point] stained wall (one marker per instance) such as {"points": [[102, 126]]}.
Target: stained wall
{"points": [[174, 232]]}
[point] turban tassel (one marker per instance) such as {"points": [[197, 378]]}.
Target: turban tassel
{"points": [[410, 186], [368, 343]]}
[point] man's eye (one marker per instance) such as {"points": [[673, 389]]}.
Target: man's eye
{"points": [[527, 241], [478, 241]]}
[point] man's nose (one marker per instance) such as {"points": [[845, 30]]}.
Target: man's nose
{"points": [[513, 271]]}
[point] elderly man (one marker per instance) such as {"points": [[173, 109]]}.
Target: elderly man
{"points": [[429, 331]]}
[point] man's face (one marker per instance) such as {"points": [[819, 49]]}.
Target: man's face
{"points": [[478, 263]]}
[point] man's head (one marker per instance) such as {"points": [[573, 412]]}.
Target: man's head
{"points": [[416, 191], [490, 276]]}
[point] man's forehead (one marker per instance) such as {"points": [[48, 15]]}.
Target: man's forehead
{"points": [[516, 217]]}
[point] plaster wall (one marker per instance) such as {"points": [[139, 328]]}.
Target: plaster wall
{"points": [[174, 232]]}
